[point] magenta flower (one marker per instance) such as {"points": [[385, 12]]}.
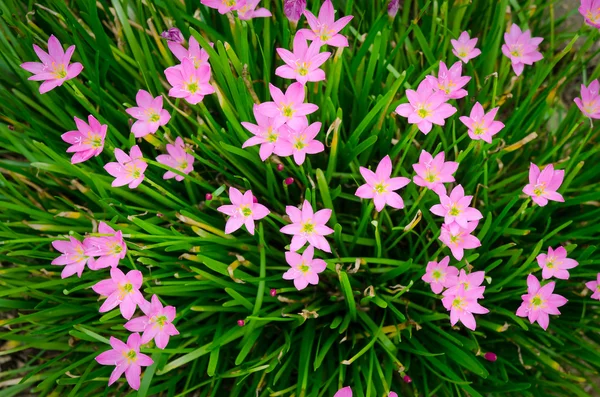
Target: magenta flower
{"points": [[469, 283], [73, 256], [455, 208], [247, 10], [459, 239], [223, 6], [381, 186], [172, 35], [481, 125], [303, 63], [542, 186], [590, 9], [521, 48], [54, 69], [87, 141], [464, 47], [432, 172], [305, 270], [266, 133], [426, 107], [126, 358], [198, 56], [109, 249], [594, 286], [121, 290], [539, 302], [289, 107], [556, 263], [188, 82], [462, 305], [149, 114], [440, 275], [393, 7], [242, 211], [300, 142], [325, 28], [157, 323], [450, 81], [347, 392], [293, 9], [177, 158], [589, 103], [128, 169], [308, 226]]}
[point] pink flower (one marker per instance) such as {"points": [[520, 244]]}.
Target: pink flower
{"points": [[157, 323], [177, 158], [300, 142], [54, 69], [469, 283], [347, 392], [589, 103], [393, 7], [450, 81], [289, 107], [539, 302], [426, 107], [590, 9], [543, 185], [198, 56], [381, 187], [267, 133], [308, 226], [188, 82], [126, 358], [556, 263], [110, 248], [521, 48], [128, 169], [462, 305], [87, 141], [149, 114], [223, 6], [172, 35], [458, 238], [326, 28], [72, 257], [481, 125], [456, 208], [247, 10], [242, 211], [302, 64], [464, 47], [594, 286], [121, 290], [432, 172], [440, 275], [293, 9], [305, 270]]}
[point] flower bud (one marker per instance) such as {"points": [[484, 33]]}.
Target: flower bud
{"points": [[293, 9], [490, 356], [173, 35], [288, 181]]}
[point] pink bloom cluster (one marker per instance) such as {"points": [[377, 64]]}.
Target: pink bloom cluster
{"points": [[246, 9]]}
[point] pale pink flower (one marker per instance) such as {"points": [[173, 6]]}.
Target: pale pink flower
{"points": [[289, 107], [464, 47], [393, 7], [198, 56], [455, 208], [458, 238], [432, 172], [149, 114], [450, 81], [303, 64], [481, 125], [157, 323], [293, 9], [556, 264], [347, 392], [128, 169], [543, 185], [426, 107], [109, 249], [223, 6], [266, 133], [308, 226], [300, 141], [246, 10], [326, 28], [462, 305], [188, 82], [126, 358], [594, 286], [589, 103], [242, 211], [381, 186], [72, 257], [470, 283], [54, 69], [521, 48], [87, 141], [121, 290], [590, 9], [172, 35], [177, 158], [539, 302], [305, 270], [440, 275]]}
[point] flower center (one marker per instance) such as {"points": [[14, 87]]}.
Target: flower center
{"points": [[160, 321], [458, 303], [436, 274], [308, 228], [302, 68], [380, 188], [539, 189], [272, 136], [447, 87], [325, 34], [300, 143], [124, 290], [246, 211], [304, 268], [592, 17], [423, 112], [192, 86], [455, 239], [287, 111], [183, 164], [229, 3], [516, 50], [479, 129], [94, 140], [131, 356], [550, 264], [154, 117], [462, 53], [537, 301], [591, 107], [454, 210], [431, 176], [59, 70]]}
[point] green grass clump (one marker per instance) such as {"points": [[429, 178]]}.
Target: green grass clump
{"points": [[371, 320]]}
